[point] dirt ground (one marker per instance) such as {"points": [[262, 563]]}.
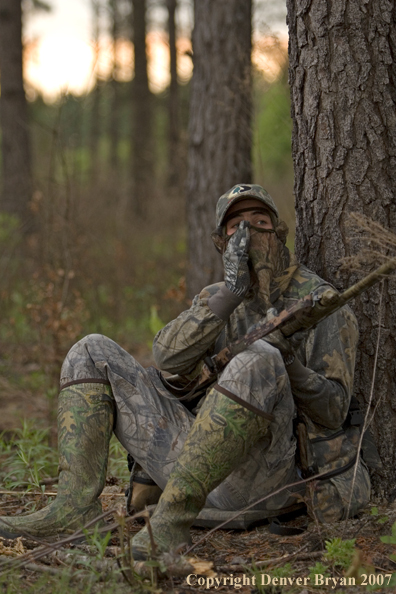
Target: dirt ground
{"points": [[231, 555]]}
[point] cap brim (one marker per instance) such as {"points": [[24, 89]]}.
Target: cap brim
{"points": [[244, 197]]}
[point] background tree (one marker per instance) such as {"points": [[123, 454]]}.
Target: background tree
{"points": [[219, 126], [114, 13], [343, 89], [94, 130], [16, 161], [16, 156], [141, 144], [173, 102]]}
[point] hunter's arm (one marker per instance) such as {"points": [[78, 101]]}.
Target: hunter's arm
{"points": [[184, 342], [322, 376]]}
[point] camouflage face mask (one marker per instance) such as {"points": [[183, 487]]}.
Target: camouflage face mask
{"points": [[269, 257]]}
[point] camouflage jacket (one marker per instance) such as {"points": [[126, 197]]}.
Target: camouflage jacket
{"points": [[327, 350]]}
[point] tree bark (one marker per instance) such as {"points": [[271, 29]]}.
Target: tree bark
{"points": [[142, 149], [343, 90], [94, 135], [115, 93], [173, 104], [16, 161], [220, 137]]}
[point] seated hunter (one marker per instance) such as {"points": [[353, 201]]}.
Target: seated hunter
{"points": [[237, 444]]}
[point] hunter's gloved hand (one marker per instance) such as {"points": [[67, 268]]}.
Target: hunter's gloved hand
{"points": [[298, 374], [235, 260], [279, 341]]}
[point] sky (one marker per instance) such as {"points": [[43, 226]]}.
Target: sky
{"points": [[71, 16], [58, 48], [60, 55]]}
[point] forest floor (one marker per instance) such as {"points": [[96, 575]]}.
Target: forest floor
{"points": [[348, 556], [254, 560]]}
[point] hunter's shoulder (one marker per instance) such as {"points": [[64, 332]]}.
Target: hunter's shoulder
{"points": [[304, 281]]}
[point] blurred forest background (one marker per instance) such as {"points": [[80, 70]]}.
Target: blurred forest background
{"points": [[100, 243]]}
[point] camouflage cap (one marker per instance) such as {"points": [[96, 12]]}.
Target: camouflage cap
{"points": [[240, 192]]}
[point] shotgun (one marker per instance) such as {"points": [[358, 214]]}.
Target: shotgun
{"points": [[302, 315]]}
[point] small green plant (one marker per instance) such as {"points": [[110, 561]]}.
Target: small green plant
{"points": [[381, 519], [156, 324], [318, 569], [27, 458], [387, 539], [98, 541], [118, 461], [264, 579], [390, 539], [340, 552]]}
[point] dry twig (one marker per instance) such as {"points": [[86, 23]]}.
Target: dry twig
{"points": [[298, 555], [49, 547]]}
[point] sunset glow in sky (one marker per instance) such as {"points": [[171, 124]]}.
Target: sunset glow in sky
{"points": [[59, 64], [60, 56]]}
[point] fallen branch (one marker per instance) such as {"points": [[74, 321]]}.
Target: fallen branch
{"points": [[79, 575], [274, 561], [51, 493], [48, 547], [43, 569], [72, 558]]}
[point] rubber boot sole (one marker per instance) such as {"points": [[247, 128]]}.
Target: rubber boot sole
{"points": [[211, 517]]}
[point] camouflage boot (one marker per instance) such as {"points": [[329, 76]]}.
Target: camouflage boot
{"points": [[85, 424], [222, 435]]}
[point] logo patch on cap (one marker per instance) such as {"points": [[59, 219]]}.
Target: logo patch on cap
{"points": [[239, 189]]}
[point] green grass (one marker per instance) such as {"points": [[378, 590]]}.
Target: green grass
{"points": [[27, 458], [118, 461]]}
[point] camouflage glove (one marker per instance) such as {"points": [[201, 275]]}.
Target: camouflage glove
{"points": [[235, 260], [278, 340]]}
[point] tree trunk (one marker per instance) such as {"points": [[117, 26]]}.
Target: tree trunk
{"points": [[17, 182], [142, 149], [94, 136], [174, 157], [343, 90], [220, 125], [115, 94]]}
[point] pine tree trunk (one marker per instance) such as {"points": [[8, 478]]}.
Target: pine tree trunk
{"points": [[174, 157], [220, 125], [115, 94], [343, 88], [142, 149], [94, 135], [16, 164]]}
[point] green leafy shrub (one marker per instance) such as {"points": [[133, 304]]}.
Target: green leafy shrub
{"points": [[340, 552]]}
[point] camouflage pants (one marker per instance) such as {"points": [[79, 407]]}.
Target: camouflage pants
{"points": [[153, 425]]}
